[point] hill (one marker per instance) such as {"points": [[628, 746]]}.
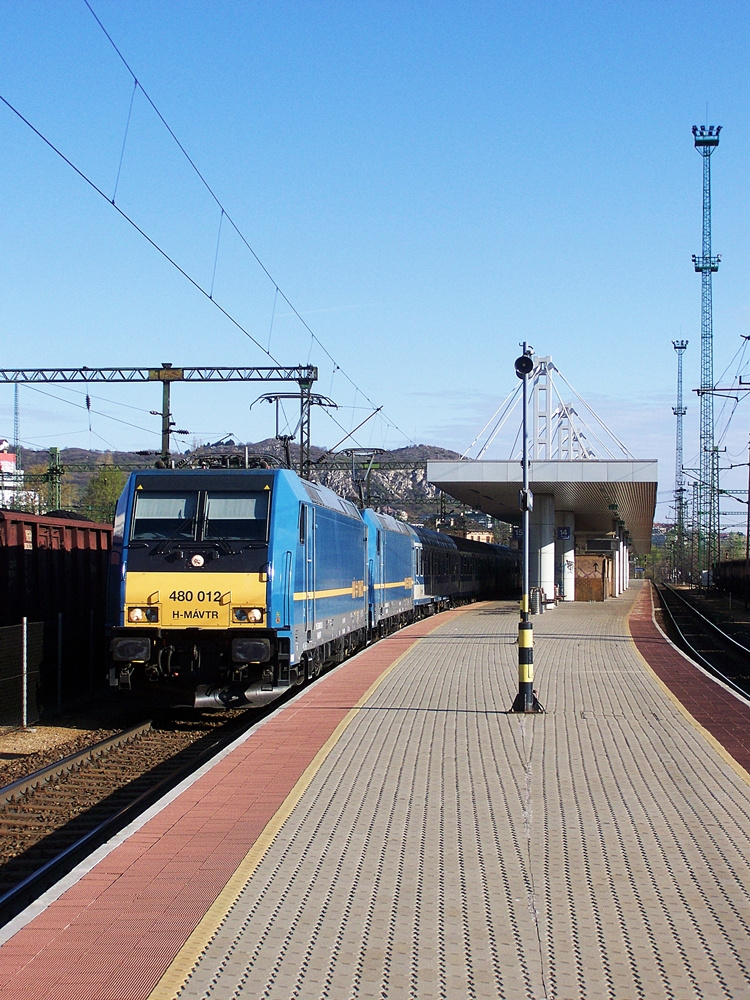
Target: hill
{"points": [[394, 481]]}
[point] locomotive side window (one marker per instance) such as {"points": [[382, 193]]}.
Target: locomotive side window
{"points": [[164, 515], [236, 516]]}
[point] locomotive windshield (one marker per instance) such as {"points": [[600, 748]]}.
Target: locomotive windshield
{"points": [[236, 516], [165, 515], [198, 516]]}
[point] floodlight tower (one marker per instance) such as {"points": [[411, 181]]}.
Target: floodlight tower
{"points": [[706, 139], [679, 482]]}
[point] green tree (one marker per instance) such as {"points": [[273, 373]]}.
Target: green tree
{"points": [[102, 493], [733, 545]]}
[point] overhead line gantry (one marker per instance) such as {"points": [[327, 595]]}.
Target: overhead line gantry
{"points": [[303, 375]]}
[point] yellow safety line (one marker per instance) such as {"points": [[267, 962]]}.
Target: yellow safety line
{"points": [[738, 769], [187, 957]]}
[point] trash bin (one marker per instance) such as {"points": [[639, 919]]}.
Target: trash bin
{"points": [[536, 603]]}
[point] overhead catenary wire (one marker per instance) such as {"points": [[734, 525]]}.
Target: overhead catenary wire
{"points": [[103, 399], [196, 284], [273, 316], [137, 228], [729, 402], [208, 293], [124, 141], [92, 396], [83, 406], [137, 85], [216, 261]]}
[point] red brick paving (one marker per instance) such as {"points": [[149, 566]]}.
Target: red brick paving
{"points": [[724, 716], [88, 943]]}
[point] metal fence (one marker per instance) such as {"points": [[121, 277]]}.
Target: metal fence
{"points": [[47, 667]]}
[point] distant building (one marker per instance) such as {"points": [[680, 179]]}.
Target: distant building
{"points": [[659, 535], [479, 535], [12, 485], [475, 525]]}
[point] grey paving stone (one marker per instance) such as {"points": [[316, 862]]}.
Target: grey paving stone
{"points": [[449, 849]]}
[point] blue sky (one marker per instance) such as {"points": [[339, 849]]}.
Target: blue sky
{"points": [[428, 184]]}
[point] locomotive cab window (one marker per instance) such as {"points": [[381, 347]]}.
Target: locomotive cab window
{"points": [[238, 516], [164, 515]]}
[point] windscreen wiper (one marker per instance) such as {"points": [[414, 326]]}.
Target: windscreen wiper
{"points": [[220, 543], [161, 548]]}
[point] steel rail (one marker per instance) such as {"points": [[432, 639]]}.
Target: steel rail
{"points": [[30, 888], [694, 652], [17, 789]]}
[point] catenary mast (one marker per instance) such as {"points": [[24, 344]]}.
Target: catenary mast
{"points": [[706, 139], [679, 481]]}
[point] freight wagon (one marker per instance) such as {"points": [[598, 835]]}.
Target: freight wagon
{"points": [[53, 573], [51, 564]]}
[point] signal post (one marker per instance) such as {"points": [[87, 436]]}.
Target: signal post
{"points": [[526, 701]]}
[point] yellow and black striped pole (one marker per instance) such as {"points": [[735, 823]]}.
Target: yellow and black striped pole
{"points": [[526, 700]]}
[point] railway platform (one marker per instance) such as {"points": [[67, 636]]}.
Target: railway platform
{"points": [[395, 832]]}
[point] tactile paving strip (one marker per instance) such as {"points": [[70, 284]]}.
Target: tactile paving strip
{"points": [[447, 849]]}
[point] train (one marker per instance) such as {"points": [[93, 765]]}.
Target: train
{"points": [[53, 574], [228, 587], [51, 564], [732, 575]]}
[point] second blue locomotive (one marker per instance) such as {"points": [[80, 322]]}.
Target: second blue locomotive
{"points": [[227, 587]]}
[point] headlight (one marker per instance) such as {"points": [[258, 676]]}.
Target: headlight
{"points": [[247, 650], [138, 615], [131, 650], [244, 615]]}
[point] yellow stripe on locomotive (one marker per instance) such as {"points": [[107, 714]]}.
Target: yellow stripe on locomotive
{"points": [[356, 591], [213, 601], [406, 584]]}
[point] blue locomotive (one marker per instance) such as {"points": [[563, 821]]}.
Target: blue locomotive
{"points": [[227, 587]]}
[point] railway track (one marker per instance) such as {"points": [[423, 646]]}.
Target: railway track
{"points": [[718, 646], [52, 818]]}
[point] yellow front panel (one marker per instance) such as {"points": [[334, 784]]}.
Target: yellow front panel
{"points": [[195, 600]]}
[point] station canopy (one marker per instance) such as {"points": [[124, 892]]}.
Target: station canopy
{"points": [[601, 494], [573, 457]]}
